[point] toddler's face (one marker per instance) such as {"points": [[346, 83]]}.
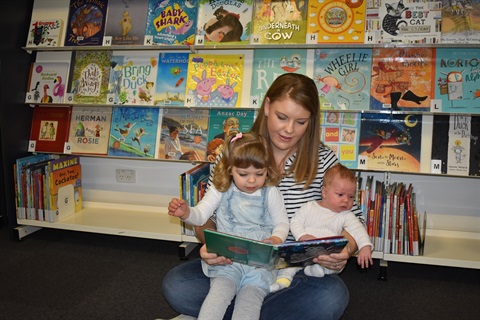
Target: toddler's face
{"points": [[249, 179]]}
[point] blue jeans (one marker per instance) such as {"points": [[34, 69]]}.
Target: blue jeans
{"points": [[185, 287]]}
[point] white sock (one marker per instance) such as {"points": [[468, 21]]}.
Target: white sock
{"points": [[314, 271]]}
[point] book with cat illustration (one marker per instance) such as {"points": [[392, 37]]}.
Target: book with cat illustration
{"points": [[460, 23], [125, 23], [86, 23]]}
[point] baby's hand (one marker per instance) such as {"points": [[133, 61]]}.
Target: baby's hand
{"points": [[178, 208], [306, 237], [364, 258]]}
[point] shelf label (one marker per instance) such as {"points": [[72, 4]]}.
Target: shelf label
{"points": [[436, 166], [107, 41], [436, 105], [32, 144]]}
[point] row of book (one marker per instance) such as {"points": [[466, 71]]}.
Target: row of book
{"points": [[404, 79], [174, 22]]}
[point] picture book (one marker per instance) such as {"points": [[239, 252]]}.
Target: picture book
{"points": [[184, 134], [372, 23], [171, 75], [338, 21], [460, 22], [279, 21], [224, 22], [90, 78], [340, 131], [90, 129], [49, 130], [171, 22], [133, 132], [86, 23], [214, 80], [132, 78], [47, 82], [457, 78], [390, 142], [45, 33], [32, 176], [402, 79], [343, 78], [270, 256], [125, 23]]}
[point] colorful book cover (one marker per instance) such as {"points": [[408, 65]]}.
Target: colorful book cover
{"points": [[47, 82], [132, 78], [49, 130], [269, 64], [91, 74], [390, 142], [171, 22], [184, 134], [171, 76], [338, 21], [372, 23], [133, 132], [458, 83], [402, 79], [86, 23], [279, 21], [460, 21], [343, 78], [214, 80], [45, 33], [125, 22], [224, 22], [341, 133], [90, 129]]}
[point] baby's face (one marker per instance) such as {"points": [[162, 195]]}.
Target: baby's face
{"points": [[339, 195]]}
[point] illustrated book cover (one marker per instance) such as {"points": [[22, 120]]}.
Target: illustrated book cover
{"points": [[47, 83], [279, 21], [402, 79], [86, 23], [132, 78], [171, 22], [133, 132], [171, 76], [390, 142], [125, 23], [224, 22], [45, 33], [372, 23], [214, 80], [343, 78], [270, 256], [338, 21], [90, 129], [460, 21]]}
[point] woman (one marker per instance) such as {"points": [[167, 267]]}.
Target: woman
{"points": [[289, 120]]}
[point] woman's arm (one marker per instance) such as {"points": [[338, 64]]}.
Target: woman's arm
{"points": [[199, 230]]}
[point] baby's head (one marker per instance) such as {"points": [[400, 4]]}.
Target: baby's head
{"points": [[339, 188]]}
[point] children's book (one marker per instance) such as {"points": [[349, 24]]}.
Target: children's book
{"points": [[125, 23], [270, 256], [224, 22], [90, 129], [214, 80], [460, 23], [372, 23], [279, 21], [171, 22], [133, 132], [343, 78], [338, 21], [47, 82], [390, 142], [171, 76], [45, 33], [86, 23], [132, 78], [402, 79]]}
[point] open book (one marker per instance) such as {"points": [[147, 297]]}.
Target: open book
{"points": [[270, 256]]}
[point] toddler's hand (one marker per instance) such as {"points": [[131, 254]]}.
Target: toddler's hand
{"points": [[177, 208]]}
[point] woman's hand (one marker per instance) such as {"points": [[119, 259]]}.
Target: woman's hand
{"points": [[334, 261], [212, 258]]}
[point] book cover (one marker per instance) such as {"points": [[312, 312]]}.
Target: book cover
{"points": [[402, 79], [457, 88], [184, 134], [343, 78], [133, 132], [214, 80], [372, 23], [338, 21], [224, 22], [125, 23], [132, 78], [45, 33], [90, 78], [390, 142], [90, 129], [171, 22], [171, 76], [49, 130], [86, 23], [47, 82], [460, 22]]}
